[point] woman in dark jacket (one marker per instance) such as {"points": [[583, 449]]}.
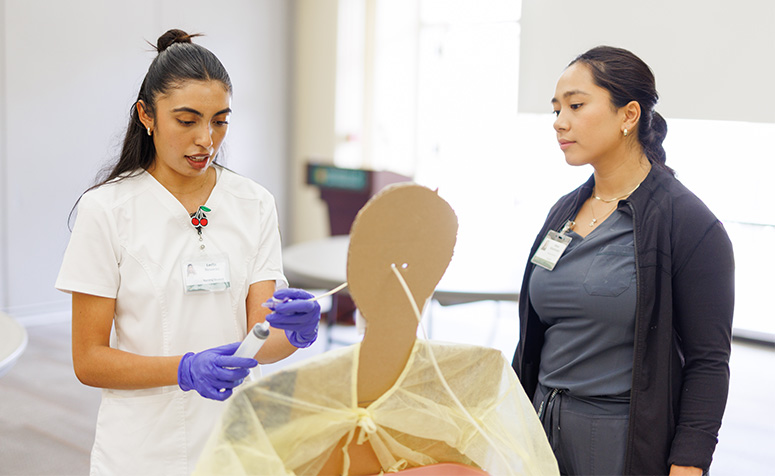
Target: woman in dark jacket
{"points": [[626, 305]]}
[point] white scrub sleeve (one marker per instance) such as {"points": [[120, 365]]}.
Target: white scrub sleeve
{"points": [[268, 265], [92, 257]]}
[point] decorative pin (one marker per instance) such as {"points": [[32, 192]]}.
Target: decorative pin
{"points": [[199, 219]]}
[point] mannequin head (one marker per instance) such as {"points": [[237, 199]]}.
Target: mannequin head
{"points": [[407, 225]]}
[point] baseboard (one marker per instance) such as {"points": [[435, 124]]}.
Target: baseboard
{"points": [[40, 314]]}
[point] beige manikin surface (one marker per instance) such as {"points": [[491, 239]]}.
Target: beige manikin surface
{"points": [[437, 402], [411, 227]]}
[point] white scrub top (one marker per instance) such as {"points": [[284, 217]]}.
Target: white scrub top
{"points": [[129, 242]]}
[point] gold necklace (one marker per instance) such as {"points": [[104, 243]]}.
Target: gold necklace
{"points": [[611, 200], [594, 219]]}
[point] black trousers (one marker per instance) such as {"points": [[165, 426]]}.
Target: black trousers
{"points": [[588, 435]]}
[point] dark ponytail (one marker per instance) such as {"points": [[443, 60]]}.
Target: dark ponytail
{"points": [[627, 78], [178, 60], [651, 137]]}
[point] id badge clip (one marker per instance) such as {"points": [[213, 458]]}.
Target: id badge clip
{"points": [[548, 254], [206, 273]]}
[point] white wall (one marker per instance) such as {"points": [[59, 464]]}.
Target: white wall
{"points": [[314, 93], [71, 71], [712, 58], [3, 174]]}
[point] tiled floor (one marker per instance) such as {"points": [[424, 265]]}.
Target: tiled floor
{"points": [[47, 417]]}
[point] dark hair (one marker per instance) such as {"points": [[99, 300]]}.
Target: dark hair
{"points": [[627, 78], [178, 60]]}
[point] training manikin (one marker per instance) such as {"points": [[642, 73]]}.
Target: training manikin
{"points": [[382, 405]]}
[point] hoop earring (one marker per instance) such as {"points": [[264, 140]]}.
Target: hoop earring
{"points": [[625, 132], [149, 131]]}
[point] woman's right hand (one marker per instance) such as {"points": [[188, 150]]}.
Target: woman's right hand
{"points": [[214, 372], [98, 365]]}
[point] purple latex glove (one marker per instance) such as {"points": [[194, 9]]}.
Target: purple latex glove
{"points": [[294, 313], [214, 372]]}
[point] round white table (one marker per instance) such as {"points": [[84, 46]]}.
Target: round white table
{"points": [[472, 275], [13, 341]]}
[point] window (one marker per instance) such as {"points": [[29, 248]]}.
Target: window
{"points": [[440, 105]]}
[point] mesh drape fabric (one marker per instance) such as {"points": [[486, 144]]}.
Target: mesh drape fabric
{"points": [[290, 421]]}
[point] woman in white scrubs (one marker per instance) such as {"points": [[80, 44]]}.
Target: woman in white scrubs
{"points": [[168, 264]]}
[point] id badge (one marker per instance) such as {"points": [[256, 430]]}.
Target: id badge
{"points": [[206, 273], [548, 254]]}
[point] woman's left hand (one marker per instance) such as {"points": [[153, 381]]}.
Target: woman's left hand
{"points": [[296, 314], [685, 471]]}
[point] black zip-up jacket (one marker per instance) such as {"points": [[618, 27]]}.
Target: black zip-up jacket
{"points": [[683, 323]]}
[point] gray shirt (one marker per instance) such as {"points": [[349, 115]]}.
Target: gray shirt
{"points": [[588, 302]]}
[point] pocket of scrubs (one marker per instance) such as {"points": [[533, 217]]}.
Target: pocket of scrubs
{"points": [[148, 425], [592, 444], [611, 271], [608, 444], [209, 273]]}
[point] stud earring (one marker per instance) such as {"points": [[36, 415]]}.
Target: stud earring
{"points": [[149, 130], [625, 133]]}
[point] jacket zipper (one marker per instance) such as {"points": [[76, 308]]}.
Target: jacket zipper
{"points": [[633, 393]]}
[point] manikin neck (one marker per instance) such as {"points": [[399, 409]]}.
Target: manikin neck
{"points": [[382, 359]]}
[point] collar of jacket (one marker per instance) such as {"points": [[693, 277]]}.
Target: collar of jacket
{"points": [[650, 186]]}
